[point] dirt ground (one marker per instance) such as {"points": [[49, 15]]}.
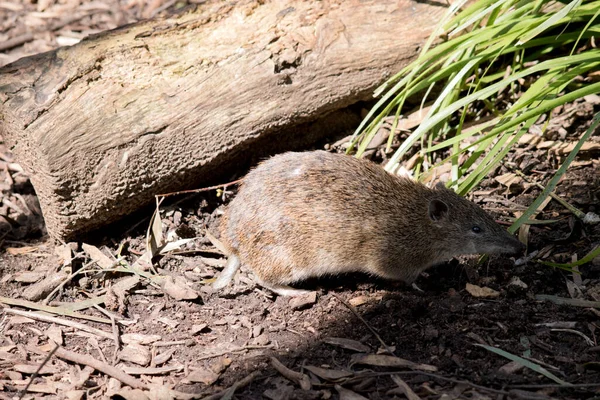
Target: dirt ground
{"points": [[358, 337]]}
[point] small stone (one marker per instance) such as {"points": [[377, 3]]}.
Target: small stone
{"points": [[303, 301], [257, 330], [516, 282], [261, 340], [203, 376], [431, 333], [136, 354], [196, 329]]}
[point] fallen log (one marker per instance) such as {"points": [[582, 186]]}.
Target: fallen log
{"points": [[163, 105]]}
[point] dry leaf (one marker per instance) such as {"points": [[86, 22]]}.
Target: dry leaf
{"points": [[98, 256], [55, 334], [29, 276], [360, 300], [203, 376], [220, 364], [41, 289], [135, 353], [163, 357], [128, 393], [303, 301], [509, 179], [381, 360], [154, 236], [64, 253], [74, 394], [404, 388], [196, 329], [346, 394], [177, 289], [546, 145], [41, 388], [347, 344], [32, 368], [18, 251], [301, 379], [139, 338], [328, 374], [511, 368], [484, 292]]}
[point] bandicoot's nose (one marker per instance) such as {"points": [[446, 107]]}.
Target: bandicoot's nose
{"points": [[515, 247]]}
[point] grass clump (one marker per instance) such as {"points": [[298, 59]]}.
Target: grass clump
{"points": [[500, 64]]}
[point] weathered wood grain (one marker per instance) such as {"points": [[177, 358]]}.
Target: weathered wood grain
{"points": [[106, 124]]}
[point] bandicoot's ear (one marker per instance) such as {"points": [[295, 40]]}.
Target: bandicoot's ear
{"points": [[437, 210], [441, 186]]}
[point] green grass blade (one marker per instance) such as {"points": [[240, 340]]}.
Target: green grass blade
{"points": [[526, 363], [559, 173], [419, 131], [544, 107], [586, 259], [553, 20]]}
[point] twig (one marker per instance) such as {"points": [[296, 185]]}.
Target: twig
{"points": [[431, 375], [589, 341], [577, 212], [171, 343], [35, 374], [297, 377], [206, 189], [51, 309], [568, 301], [59, 321], [102, 367], [228, 393], [351, 308], [115, 332], [222, 353], [84, 268], [16, 41], [404, 388], [554, 386], [152, 370]]}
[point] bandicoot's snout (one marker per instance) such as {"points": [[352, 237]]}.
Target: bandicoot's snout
{"points": [[514, 247]]}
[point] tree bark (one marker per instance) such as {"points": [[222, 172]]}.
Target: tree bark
{"points": [[162, 105]]}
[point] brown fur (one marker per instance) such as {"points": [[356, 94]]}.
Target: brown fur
{"points": [[301, 215]]}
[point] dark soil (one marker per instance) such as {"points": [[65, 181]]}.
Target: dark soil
{"points": [[212, 342]]}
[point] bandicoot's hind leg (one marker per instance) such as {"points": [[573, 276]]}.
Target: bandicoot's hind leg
{"points": [[233, 264]]}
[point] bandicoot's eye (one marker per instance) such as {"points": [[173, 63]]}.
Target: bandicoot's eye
{"points": [[476, 229]]}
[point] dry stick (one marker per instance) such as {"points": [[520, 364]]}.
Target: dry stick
{"points": [[404, 388], [35, 374], [152, 370], [59, 321], [228, 393], [115, 331], [83, 269], [224, 186], [222, 353], [432, 375], [577, 212], [297, 377], [206, 189], [351, 308], [51, 309], [554, 386], [102, 367], [16, 41]]}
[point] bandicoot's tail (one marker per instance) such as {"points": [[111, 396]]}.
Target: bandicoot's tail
{"points": [[233, 264]]}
